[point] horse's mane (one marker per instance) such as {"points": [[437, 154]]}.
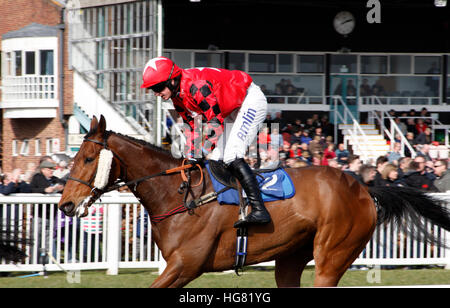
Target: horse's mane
{"points": [[141, 142]]}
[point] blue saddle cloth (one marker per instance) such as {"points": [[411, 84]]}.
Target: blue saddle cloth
{"points": [[274, 185]]}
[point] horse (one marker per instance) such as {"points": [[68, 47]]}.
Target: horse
{"points": [[330, 218]]}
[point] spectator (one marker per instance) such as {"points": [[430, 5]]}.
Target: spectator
{"points": [[12, 183], [276, 140], [378, 89], [61, 169], [280, 121], [417, 178], [327, 127], [379, 165], [424, 151], [304, 147], [286, 133], [44, 181], [342, 154], [306, 157], [315, 147], [420, 126], [424, 137], [264, 138], [309, 124], [332, 162], [317, 159], [410, 139], [442, 182], [354, 164], [411, 126], [394, 155], [305, 138], [401, 125], [389, 176], [367, 174], [364, 89], [296, 137], [328, 153], [284, 152], [403, 166], [29, 172], [298, 124], [268, 120], [295, 152]]}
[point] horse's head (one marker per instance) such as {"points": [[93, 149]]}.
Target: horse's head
{"points": [[94, 169]]}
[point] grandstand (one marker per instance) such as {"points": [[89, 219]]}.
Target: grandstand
{"points": [[91, 63]]}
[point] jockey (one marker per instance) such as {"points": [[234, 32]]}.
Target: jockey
{"points": [[224, 99]]}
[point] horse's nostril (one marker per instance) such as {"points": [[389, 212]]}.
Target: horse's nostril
{"points": [[68, 208]]}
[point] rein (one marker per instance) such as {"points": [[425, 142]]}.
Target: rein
{"points": [[97, 192]]}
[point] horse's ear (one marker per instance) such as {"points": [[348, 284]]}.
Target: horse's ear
{"points": [[102, 124], [94, 124]]}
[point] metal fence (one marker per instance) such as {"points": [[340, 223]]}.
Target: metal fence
{"points": [[117, 234]]}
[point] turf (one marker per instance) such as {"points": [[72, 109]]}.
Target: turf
{"points": [[251, 278]]}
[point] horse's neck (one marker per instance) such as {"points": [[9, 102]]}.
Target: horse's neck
{"points": [[140, 161]]}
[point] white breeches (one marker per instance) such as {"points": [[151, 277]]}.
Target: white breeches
{"points": [[241, 127]]}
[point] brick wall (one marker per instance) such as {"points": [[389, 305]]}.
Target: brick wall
{"points": [[16, 14]]}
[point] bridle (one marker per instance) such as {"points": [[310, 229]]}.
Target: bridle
{"points": [[97, 192]]}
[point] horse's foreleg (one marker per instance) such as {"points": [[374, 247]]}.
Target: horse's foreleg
{"points": [[174, 276], [289, 269]]}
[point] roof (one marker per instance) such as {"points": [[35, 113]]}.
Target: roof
{"points": [[32, 30]]}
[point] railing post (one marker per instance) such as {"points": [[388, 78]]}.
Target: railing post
{"points": [[114, 238]]}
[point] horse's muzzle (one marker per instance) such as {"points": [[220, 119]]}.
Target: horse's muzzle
{"points": [[68, 208]]}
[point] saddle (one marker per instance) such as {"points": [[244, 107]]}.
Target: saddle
{"points": [[222, 175]]}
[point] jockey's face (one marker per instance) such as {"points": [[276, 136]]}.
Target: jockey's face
{"points": [[165, 94]]}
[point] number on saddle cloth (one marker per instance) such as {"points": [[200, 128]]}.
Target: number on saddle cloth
{"points": [[274, 184]]}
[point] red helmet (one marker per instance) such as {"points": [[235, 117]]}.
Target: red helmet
{"points": [[158, 70]]}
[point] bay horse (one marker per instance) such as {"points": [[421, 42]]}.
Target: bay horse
{"points": [[330, 219]]}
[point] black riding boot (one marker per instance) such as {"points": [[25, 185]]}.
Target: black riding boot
{"points": [[259, 214]]}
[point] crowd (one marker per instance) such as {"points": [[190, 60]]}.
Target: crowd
{"points": [[300, 144], [48, 178]]}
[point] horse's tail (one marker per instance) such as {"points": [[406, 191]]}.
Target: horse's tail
{"points": [[9, 250], [408, 208]]}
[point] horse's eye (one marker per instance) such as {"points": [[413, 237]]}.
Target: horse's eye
{"points": [[88, 160]]}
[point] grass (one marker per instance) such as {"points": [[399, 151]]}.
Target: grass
{"points": [[251, 278]]}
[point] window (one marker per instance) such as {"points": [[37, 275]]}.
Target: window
{"points": [[208, 60], [46, 57], [182, 59], [400, 65], [285, 63], [15, 145], [343, 63], [309, 64], [18, 62], [37, 147], [427, 65], [24, 149], [236, 61], [262, 63], [30, 63], [373, 64], [8, 67], [49, 146]]}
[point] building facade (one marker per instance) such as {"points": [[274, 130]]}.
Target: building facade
{"points": [[35, 96]]}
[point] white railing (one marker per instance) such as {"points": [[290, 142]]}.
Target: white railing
{"points": [[41, 87], [400, 100], [118, 237], [355, 131]]}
